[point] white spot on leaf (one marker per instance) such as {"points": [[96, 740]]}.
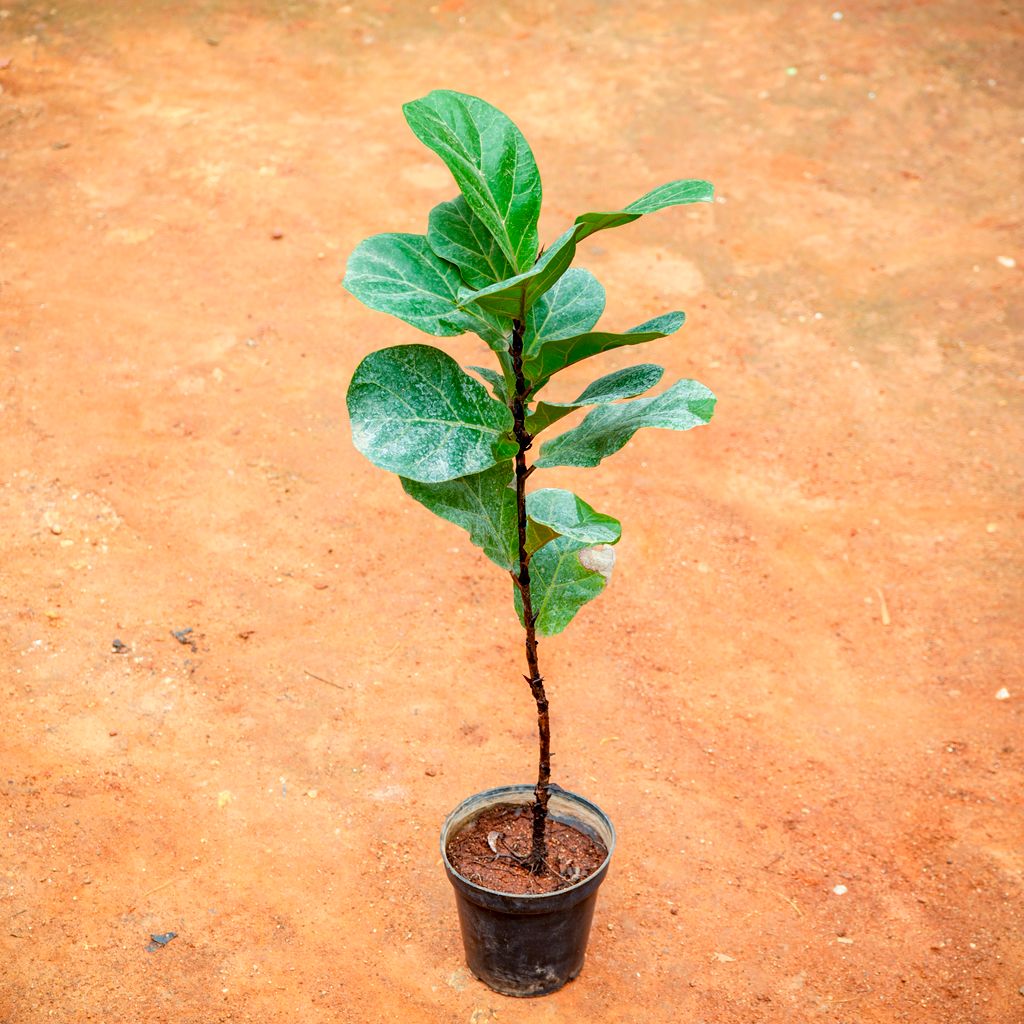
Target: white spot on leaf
{"points": [[599, 558]]}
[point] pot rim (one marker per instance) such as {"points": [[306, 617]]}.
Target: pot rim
{"points": [[501, 794]]}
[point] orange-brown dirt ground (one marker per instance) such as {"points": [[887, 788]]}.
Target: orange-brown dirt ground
{"points": [[791, 684]]}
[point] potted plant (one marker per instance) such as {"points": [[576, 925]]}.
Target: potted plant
{"points": [[525, 860]]}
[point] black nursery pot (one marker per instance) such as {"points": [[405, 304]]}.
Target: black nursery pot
{"points": [[527, 945]]}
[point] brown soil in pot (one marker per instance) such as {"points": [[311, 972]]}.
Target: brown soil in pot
{"points": [[489, 852]]}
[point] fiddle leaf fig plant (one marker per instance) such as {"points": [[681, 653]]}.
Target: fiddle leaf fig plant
{"points": [[462, 448]]}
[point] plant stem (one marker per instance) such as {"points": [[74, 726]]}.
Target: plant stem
{"points": [[538, 849]]}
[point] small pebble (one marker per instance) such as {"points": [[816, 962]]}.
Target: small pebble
{"points": [[837, 15], [56, 528], [844, 940], [1003, 694], [840, 890], [1006, 261], [277, 234]]}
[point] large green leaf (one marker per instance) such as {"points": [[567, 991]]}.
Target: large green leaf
{"points": [[484, 504], [401, 275], [513, 298], [459, 236], [560, 585], [572, 305], [491, 163], [416, 413], [557, 355], [675, 193], [552, 512], [606, 429], [626, 383]]}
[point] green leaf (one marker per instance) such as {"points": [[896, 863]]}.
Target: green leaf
{"points": [[491, 163], [627, 383], [557, 355], [514, 297], [559, 585], [484, 504], [572, 305], [495, 379], [675, 193], [459, 236], [565, 515], [416, 413], [401, 275], [606, 429]]}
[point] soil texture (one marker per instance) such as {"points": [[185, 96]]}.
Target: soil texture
{"points": [[490, 851], [245, 678]]}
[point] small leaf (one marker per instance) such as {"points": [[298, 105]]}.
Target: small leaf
{"points": [[495, 379], [514, 297], [566, 515], [559, 585], [459, 236], [484, 504], [557, 355], [416, 413], [401, 275], [494, 329], [572, 305], [626, 383], [606, 429], [675, 193], [537, 535], [491, 163]]}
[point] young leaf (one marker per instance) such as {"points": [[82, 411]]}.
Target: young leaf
{"points": [[484, 504], [400, 274], [627, 383], [675, 193], [495, 379], [514, 297], [494, 329], [560, 585], [572, 305], [459, 236], [491, 163], [557, 355], [416, 413], [606, 429], [566, 515]]}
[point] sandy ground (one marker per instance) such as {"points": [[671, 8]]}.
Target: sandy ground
{"points": [[791, 684]]}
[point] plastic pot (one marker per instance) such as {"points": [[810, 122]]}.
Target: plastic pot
{"points": [[527, 945]]}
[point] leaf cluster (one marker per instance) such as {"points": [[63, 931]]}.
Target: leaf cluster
{"points": [[478, 269]]}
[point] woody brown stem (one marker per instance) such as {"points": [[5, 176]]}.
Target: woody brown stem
{"points": [[538, 848]]}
